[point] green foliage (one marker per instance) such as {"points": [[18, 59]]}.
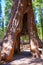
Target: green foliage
{"points": [[8, 4], [2, 28], [2, 32], [38, 4]]}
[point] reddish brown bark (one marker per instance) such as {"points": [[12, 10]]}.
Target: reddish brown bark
{"points": [[14, 29], [32, 31]]}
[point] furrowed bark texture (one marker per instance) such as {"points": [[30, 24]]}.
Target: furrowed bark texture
{"points": [[21, 20]]}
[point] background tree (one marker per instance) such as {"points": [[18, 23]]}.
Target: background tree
{"points": [[37, 6]]}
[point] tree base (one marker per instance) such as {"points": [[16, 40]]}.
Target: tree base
{"points": [[35, 48]]}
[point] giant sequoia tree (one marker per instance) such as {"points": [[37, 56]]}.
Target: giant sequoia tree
{"points": [[11, 40]]}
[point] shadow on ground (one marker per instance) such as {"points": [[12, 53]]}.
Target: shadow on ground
{"points": [[26, 55], [21, 55], [37, 60]]}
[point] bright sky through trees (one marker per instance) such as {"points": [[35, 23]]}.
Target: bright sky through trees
{"points": [[3, 4]]}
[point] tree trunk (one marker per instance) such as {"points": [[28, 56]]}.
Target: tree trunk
{"points": [[14, 28], [32, 31], [11, 40]]}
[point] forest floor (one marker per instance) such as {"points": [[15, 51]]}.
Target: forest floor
{"points": [[25, 58]]}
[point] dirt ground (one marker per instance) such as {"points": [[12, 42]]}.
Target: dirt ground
{"points": [[25, 58]]}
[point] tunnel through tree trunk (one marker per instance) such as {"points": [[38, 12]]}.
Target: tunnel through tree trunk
{"points": [[11, 41]]}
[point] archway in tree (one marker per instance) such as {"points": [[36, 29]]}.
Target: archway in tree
{"points": [[11, 40]]}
